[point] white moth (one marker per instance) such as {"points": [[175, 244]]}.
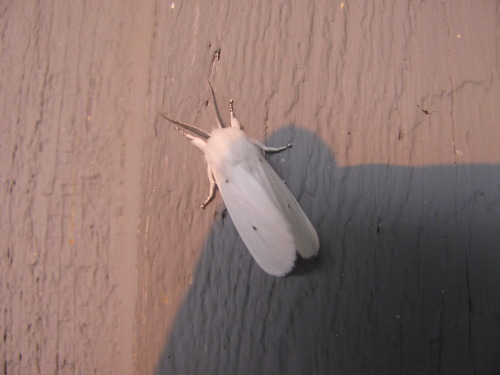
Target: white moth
{"points": [[265, 213]]}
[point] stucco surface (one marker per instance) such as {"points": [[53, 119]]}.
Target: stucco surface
{"points": [[108, 264]]}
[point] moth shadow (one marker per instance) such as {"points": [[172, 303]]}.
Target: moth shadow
{"points": [[306, 266], [406, 280]]}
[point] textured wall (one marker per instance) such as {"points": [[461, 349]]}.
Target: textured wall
{"points": [[392, 108], [73, 107]]}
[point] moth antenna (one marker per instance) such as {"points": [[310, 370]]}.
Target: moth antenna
{"points": [[216, 110], [202, 133]]}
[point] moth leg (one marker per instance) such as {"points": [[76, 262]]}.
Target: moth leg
{"points": [[235, 123], [188, 136], [265, 148], [213, 184], [202, 133], [201, 145], [198, 142]]}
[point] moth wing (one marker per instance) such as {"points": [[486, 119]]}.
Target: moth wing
{"points": [[267, 216], [305, 236]]}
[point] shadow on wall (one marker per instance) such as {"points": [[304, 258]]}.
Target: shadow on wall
{"points": [[407, 280]]}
